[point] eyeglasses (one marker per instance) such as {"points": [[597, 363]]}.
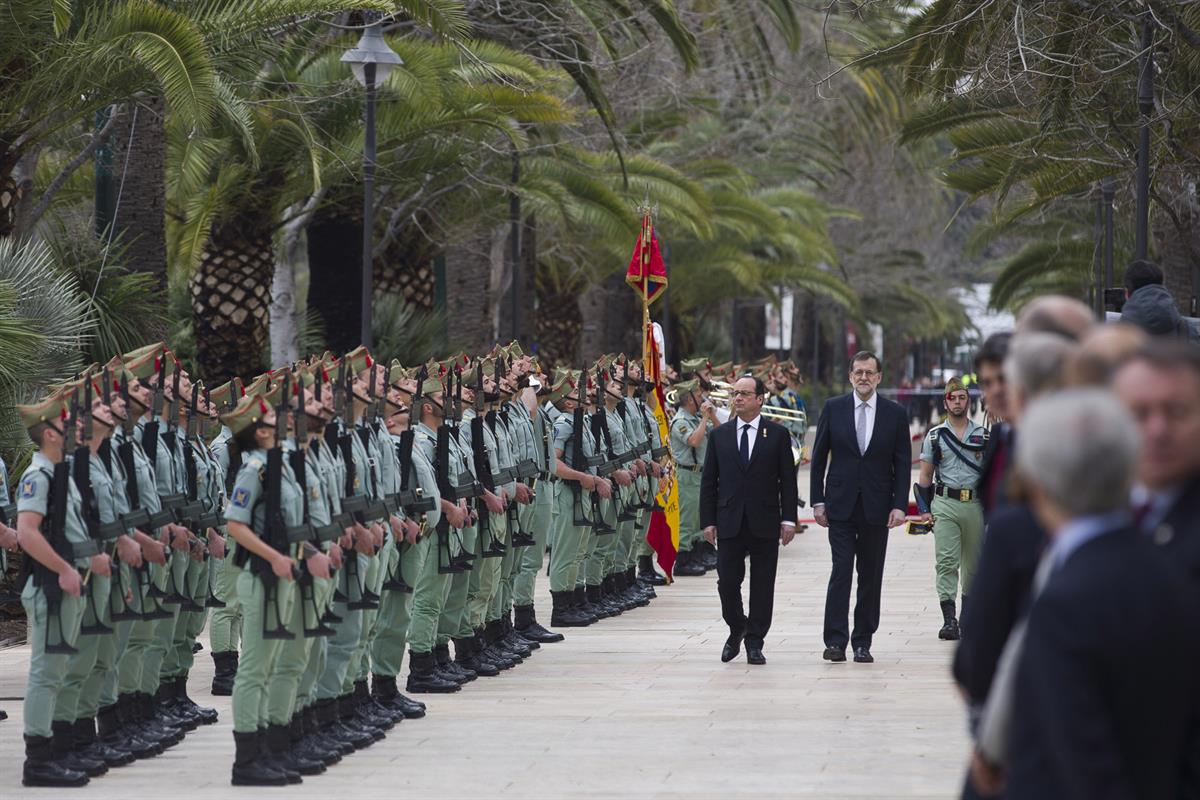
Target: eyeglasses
{"points": [[864, 373]]}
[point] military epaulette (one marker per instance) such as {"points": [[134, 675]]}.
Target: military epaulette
{"points": [[254, 463]]}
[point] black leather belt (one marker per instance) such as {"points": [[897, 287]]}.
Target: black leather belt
{"points": [[961, 495], [696, 468]]}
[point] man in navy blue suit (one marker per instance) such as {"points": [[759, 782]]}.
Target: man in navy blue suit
{"points": [[864, 441]]}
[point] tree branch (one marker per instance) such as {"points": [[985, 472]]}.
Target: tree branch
{"points": [[75, 163]]}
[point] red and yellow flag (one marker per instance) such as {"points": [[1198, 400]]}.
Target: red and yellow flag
{"points": [[663, 535], [647, 273]]}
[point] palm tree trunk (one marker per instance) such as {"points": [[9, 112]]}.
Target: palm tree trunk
{"points": [[231, 296], [139, 143]]}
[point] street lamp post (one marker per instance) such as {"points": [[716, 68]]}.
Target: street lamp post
{"points": [[371, 60]]}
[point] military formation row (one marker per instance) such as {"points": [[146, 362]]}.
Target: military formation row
{"points": [[323, 520]]}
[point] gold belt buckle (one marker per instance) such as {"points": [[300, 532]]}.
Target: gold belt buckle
{"points": [[964, 495]]}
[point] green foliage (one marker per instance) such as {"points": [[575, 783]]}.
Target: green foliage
{"points": [[405, 332], [44, 325], [125, 307]]}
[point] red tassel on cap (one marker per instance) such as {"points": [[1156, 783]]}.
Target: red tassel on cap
{"points": [[370, 361], [262, 405]]}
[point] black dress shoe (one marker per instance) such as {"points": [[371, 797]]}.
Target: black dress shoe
{"points": [[834, 654], [754, 655], [733, 646], [863, 656]]}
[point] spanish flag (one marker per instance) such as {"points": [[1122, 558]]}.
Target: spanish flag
{"points": [[663, 535], [647, 273]]}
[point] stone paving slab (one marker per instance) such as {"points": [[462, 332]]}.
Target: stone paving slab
{"points": [[636, 707]]}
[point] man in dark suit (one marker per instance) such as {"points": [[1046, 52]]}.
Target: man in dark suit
{"points": [[748, 498], [865, 442], [1079, 711], [1161, 388]]}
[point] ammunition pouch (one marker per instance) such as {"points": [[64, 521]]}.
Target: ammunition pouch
{"points": [[83, 549], [528, 469]]}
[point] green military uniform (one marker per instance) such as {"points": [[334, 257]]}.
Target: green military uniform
{"points": [[225, 626], [54, 616], [645, 551], [508, 448], [957, 510], [572, 520], [688, 463], [455, 622], [541, 521], [602, 556]]}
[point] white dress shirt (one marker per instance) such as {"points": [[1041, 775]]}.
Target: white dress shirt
{"points": [[753, 435], [872, 404]]}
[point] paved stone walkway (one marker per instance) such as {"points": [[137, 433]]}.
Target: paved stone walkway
{"points": [[637, 707]]}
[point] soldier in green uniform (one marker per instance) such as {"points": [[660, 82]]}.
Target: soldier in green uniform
{"points": [[576, 482], [225, 625], [455, 623], [541, 513], [78, 702], [689, 438], [50, 529], [266, 590], [641, 440], [616, 450], [951, 466], [137, 678], [513, 441]]}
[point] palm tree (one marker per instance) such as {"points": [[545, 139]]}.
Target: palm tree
{"points": [[44, 326]]}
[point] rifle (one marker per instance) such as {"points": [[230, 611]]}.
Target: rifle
{"points": [[395, 580], [483, 471], [353, 505], [54, 529], [466, 488], [276, 527], [137, 517], [89, 508], [604, 466], [190, 507], [306, 534]]}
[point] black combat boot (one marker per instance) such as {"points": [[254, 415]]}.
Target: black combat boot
{"points": [[688, 565], [133, 725], [526, 624], [449, 668], [207, 716], [423, 679], [166, 708], [347, 710], [949, 629], [113, 733], [279, 745], [266, 756], [486, 651], [249, 768], [307, 741], [344, 738], [66, 754], [467, 657], [88, 745], [564, 613], [643, 590], [601, 607], [580, 602], [42, 769], [225, 665], [368, 712], [514, 641], [647, 574], [493, 633]]}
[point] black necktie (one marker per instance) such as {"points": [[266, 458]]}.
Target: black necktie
{"points": [[745, 448]]}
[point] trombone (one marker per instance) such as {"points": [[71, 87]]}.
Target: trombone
{"points": [[721, 396]]}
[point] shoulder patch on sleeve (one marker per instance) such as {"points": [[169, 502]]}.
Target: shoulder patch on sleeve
{"points": [[28, 488], [240, 497]]}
